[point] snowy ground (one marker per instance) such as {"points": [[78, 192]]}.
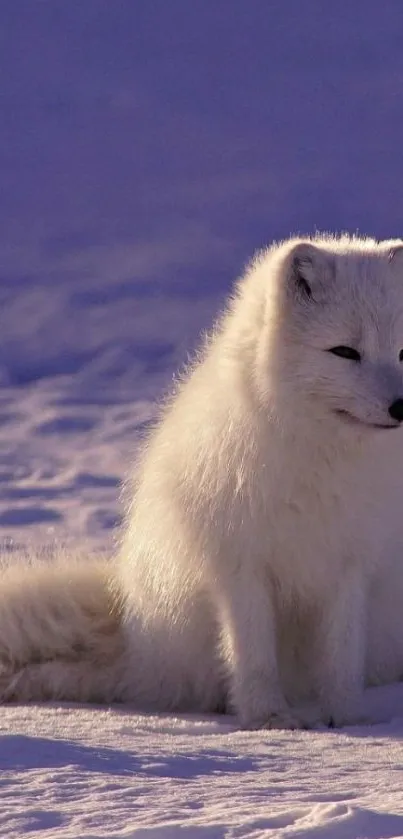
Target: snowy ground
{"points": [[146, 149], [92, 772]]}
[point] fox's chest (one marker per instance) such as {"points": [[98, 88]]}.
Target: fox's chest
{"points": [[314, 532]]}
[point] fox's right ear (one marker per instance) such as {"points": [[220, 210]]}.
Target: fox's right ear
{"points": [[307, 267]]}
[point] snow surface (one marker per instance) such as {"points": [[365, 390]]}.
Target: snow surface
{"points": [[147, 149], [91, 772]]}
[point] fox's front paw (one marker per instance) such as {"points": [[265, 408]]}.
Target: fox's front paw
{"points": [[350, 713], [341, 720], [283, 719]]}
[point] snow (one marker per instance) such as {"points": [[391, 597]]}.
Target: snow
{"points": [[91, 772], [146, 150]]}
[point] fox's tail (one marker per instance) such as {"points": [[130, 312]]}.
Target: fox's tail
{"points": [[60, 632]]}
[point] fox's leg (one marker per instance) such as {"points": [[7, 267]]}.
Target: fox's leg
{"points": [[250, 644], [340, 650]]}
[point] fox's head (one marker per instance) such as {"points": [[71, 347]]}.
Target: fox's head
{"points": [[332, 338]]}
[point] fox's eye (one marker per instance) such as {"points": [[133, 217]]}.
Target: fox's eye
{"points": [[350, 353], [401, 355]]}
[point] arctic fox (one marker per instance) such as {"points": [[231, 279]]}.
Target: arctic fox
{"points": [[259, 567]]}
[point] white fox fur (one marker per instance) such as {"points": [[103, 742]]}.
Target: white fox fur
{"points": [[261, 561]]}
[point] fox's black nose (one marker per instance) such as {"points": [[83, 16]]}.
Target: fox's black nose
{"points": [[396, 410]]}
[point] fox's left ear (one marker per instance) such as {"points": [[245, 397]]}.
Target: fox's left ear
{"points": [[395, 254], [308, 267]]}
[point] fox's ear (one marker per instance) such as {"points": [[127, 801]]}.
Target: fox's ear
{"points": [[307, 269], [395, 254]]}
